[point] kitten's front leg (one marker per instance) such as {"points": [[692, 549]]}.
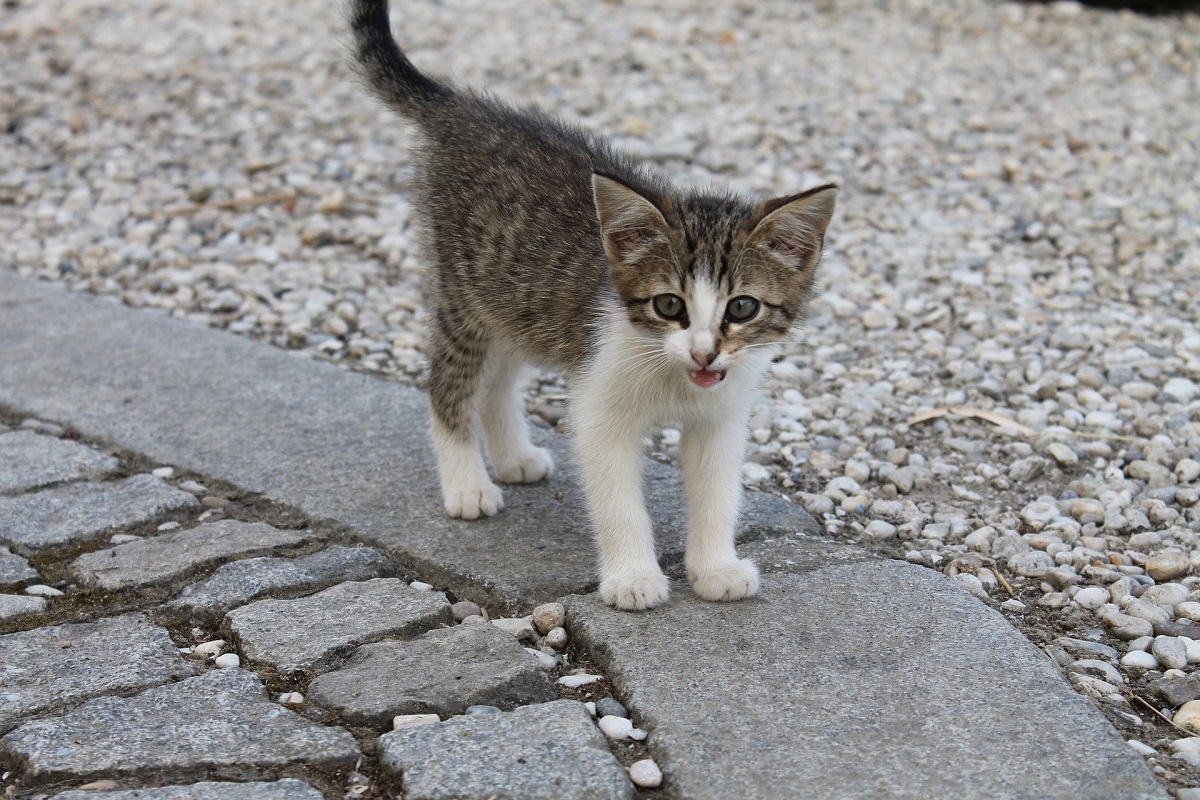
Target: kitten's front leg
{"points": [[610, 454], [712, 467]]}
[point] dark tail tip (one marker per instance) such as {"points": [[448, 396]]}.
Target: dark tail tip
{"points": [[380, 62]]}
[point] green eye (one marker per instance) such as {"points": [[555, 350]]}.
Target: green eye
{"points": [[741, 309], [669, 306]]}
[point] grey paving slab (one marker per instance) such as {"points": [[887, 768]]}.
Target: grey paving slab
{"points": [[336, 444], [219, 725], [29, 460], [311, 634], [551, 751], [169, 557], [441, 672], [15, 570], [871, 679], [78, 512], [47, 670], [14, 606], [285, 789], [239, 582]]}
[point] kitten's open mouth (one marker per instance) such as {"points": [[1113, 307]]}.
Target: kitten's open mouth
{"points": [[706, 378]]}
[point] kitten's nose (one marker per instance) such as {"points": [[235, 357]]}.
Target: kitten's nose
{"points": [[704, 358]]}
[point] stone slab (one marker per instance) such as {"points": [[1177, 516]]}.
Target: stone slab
{"points": [[286, 789], [15, 606], [29, 460], [48, 670], [441, 672], [551, 751], [219, 725], [15, 570], [871, 679], [170, 557], [311, 634], [78, 512], [336, 444], [239, 582]]}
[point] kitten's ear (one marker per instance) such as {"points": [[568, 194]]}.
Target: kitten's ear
{"points": [[630, 223], [793, 227]]}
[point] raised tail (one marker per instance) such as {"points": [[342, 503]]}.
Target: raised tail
{"points": [[386, 70]]}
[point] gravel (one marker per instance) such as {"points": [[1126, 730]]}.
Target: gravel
{"points": [[1018, 240]]}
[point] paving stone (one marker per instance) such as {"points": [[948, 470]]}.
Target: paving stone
{"points": [[551, 751], [29, 460], [441, 672], [146, 381], [827, 680], [217, 725], [14, 570], [286, 789], [49, 669], [239, 582], [172, 556], [77, 512], [13, 606], [313, 633]]}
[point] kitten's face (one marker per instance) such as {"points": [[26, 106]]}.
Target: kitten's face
{"points": [[711, 279]]}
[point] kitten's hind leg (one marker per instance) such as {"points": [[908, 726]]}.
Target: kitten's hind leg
{"points": [[712, 466], [455, 363], [514, 457]]}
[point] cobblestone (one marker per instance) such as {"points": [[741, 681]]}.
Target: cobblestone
{"points": [[29, 460]]}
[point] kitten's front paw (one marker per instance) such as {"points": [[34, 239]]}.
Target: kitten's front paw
{"points": [[529, 466], [635, 591], [731, 581], [473, 502]]}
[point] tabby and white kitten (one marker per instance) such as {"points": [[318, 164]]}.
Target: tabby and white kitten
{"points": [[661, 305]]}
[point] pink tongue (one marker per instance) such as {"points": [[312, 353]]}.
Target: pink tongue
{"points": [[704, 378]]}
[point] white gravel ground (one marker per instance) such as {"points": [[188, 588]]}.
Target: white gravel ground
{"points": [[1019, 235]]}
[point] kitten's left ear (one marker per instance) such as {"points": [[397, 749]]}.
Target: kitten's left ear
{"points": [[630, 223], [793, 227]]}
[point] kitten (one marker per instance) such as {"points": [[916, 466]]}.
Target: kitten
{"points": [[662, 305]]}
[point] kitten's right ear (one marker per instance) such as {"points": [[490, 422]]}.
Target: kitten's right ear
{"points": [[629, 222], [793, 227]]}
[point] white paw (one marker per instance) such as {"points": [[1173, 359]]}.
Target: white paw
{"points": [[635, 591], [729, 581], [529, 466], [473, 502]]}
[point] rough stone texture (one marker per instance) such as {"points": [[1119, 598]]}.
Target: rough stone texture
{"points": [[29, 460], [49, 669], [821, 683], [172, 556], [546, 752], [77, 512], [312, 633], [335, 444], [441, 672], [286, 789], [13, 606], [238, 583], [14, 570], [217, 725]]}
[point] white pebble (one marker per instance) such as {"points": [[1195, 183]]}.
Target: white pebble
{"points": [[42, 590], [1140, 748], [1139, 659], [163, 472], [209, 649], [1188, 610], [1170, 652], [1092, 597], [646, 774], [619, 729], [291, 698], [126, 538], [227, 661], [591, 707], [1013, 604], [547, 661], [420, 586], [575, 681], [403, 721]]}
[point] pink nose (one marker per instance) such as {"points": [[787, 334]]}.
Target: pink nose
{"points": [[702, 358]]}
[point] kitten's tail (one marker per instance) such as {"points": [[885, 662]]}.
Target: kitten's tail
{"points": [[386, 70]]}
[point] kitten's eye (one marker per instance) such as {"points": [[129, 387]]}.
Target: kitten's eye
{"points": [[669, 306], [741, 309]]}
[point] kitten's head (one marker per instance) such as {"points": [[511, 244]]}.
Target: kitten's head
{"points": [[711, 277]]}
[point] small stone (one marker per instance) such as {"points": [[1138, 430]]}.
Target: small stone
{"points": [[163, 472], [879, 530], [549, 616], [227, 661], [520, 628], [402, 721], [1167, 565], [645, 774], [465, 608], [1188, 610], [1092, 597], [1063, 456], [421, 586], [481, 710], [1139, 659], [99, 786], [557, 638], [291, 699], [1097, 669], [609, 707], [1170, 652], [1140, 748], [547, 661], [1175, 691], [1188, 716], [619, 729], [1013, 604], [210, 649], [42, 590], [577, 680], [1126, 627]]}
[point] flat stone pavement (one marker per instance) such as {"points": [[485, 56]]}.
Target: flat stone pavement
{"points": [[848, 676]]}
